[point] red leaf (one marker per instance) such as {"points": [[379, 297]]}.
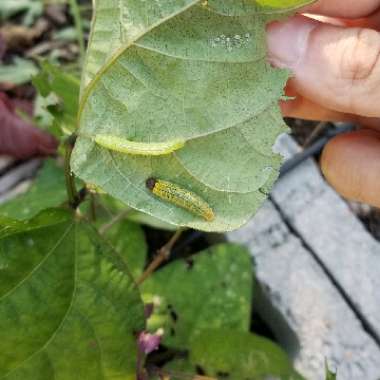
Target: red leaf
{"points": [[19, 138]]}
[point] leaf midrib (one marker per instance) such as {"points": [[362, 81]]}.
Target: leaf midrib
{"points": [[38, 266]]}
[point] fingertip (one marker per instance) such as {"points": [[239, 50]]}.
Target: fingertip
{"points": [[351, 164], [287, 40]]}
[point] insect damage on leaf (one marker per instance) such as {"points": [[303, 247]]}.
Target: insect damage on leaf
{"points": [[121, 145], [181, 197]]}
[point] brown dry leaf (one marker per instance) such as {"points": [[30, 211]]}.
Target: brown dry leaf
{"points": [[15, 36]]}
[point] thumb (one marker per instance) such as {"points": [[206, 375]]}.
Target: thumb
{"points": [[336, 67], [351, 163]]}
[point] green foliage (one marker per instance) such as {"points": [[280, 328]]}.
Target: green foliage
{"points": [[31, 9], [19, 72], [239, 355], [192, 70], [183, 71], [129, 240], [329, 374], [204, 306], [62, 91], [68, 308], [218, 284], [48, 190]]}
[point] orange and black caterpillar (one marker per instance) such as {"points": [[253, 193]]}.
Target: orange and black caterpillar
{"points": [[181, 197]]}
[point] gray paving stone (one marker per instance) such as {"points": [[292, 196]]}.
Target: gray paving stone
{"points": [[19, 173], [302, 297], [19, 189], [5, 162], [335, 235]]}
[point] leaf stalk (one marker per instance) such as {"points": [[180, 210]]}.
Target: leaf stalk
{"points": [[163, 254], [72, 193]]}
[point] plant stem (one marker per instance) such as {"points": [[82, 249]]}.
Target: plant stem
{"points": [[169, 374], [117, 218], [72, 193], [315, 133], [75, 11], [92, 208], [163, 254]]}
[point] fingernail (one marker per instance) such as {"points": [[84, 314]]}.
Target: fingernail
{"points": [[287, 41]]}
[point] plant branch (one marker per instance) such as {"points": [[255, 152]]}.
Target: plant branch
{"points": [[315, 133], [117, 218], [165, 374], [69, 178], [163, 254], [92, 207]]}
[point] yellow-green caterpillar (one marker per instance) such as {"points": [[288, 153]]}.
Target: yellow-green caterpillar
{"points": [[121, 145], [282, 4], [181, 197]]}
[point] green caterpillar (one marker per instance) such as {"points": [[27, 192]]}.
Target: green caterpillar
{"points": [[121, 145], [282, 4]]}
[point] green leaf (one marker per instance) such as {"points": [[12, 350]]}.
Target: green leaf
{"points": [[239, 355], [19, 72], [178, 69], [128, 239], [31, 8], [329, 374], [180, 369], [53, 81], [68, 308], [49, 217], [66, 34], [48, 190], [151, 221], [213, 290]]}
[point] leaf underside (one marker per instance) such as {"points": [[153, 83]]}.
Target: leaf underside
{"points": [[190, 70]]}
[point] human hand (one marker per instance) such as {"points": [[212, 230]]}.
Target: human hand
{"points": [[336, 76]]}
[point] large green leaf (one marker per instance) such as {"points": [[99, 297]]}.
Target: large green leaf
{"points": [[235, 355], [181, 69], [213, 290], [48, 190], [129, 241], [68, 308]]}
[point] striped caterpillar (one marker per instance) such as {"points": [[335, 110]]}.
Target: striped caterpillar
{"points": [[121, 145], [181, 197]]}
